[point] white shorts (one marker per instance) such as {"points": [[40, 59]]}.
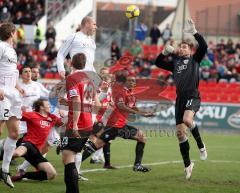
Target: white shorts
{"points": [[53, 137], [22, 127], [11, 105]]}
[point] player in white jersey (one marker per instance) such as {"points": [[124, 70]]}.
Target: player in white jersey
{"points": [[35, 77], [79, 42], [32, 92], [10, 100]]}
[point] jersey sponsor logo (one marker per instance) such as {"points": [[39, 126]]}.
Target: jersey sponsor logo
{"points": [[181, 68], [186, 61], [44, 123], [73, 92]]}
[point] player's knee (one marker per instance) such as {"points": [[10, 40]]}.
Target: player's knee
{"points": [[16, 154], [51, 174], [141, 137], [188, 121], [13, 134], [180, 135]]}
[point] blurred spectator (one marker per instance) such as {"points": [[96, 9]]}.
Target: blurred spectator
{"points": [[50, 50], [21, 11], [221, 45], [27, 19], [51, 32], [18, 18], [229, 47], [38, 36], [155, 34], [20, 33], [136, 48], [5, 15], [206, 63], [141, 32], [166, 34], [145, 71], [115, 51]]}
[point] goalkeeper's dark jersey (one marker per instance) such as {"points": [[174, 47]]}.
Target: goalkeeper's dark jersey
{"points": [[185, 70]]}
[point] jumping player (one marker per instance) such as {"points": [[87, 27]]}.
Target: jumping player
{"points": [[185, 69]]}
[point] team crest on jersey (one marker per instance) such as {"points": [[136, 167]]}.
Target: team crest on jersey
{"points": [[73, 92], [186, 61]]}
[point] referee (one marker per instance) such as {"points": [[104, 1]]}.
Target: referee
{"points": [[79, 42], [185, 69]]}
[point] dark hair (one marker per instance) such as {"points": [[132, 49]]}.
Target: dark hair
{"points": [[25, 66], [6, 30], [79, 61], [188, 42], [38, 103]]}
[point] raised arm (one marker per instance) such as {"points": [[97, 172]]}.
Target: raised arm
{"points": [[202, 45], [161, 59]]}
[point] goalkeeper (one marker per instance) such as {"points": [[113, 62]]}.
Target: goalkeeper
{"points": [[185, 68]]}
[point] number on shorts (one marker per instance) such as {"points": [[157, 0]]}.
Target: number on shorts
{"points": [[6, 113], [189, 103]]}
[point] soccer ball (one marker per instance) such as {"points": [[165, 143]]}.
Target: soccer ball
{"points": [[132, 11]]}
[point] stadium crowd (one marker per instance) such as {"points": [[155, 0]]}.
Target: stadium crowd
{"points": [[221, 63], [21, 11]]}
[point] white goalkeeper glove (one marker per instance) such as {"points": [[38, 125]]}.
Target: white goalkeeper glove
{"points": [[192, 28], [168, 50]]}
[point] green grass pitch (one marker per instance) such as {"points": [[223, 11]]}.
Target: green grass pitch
{"points": [[219, 174]]}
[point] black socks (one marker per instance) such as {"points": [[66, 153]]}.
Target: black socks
{"points": [[139, 152], [184, 149], [197, 137], [71, 178]]}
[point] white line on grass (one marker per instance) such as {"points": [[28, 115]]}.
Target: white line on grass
{"points": [[157, 163]]}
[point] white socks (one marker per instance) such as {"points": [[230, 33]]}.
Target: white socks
{"points": [[9, 148], [78, 161], [98, 155], [24, 166]]}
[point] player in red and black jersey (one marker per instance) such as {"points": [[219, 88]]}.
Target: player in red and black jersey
{"points": [[39, 124], [81, 94], [125, 103]]}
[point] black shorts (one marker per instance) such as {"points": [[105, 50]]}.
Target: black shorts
{"points": [[33, 155], [98, 126], [74, 144], [126, 132], [185, 103]]}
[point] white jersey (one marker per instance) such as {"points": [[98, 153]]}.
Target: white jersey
{"points": [[8, 67], [74, 44], [33, 91]]}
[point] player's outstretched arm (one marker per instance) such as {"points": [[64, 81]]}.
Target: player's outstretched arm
{"points": [[144, 113], [202, 45], [161, 59]]}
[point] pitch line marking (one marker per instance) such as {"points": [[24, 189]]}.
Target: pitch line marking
{"points": [[158, 163]]}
